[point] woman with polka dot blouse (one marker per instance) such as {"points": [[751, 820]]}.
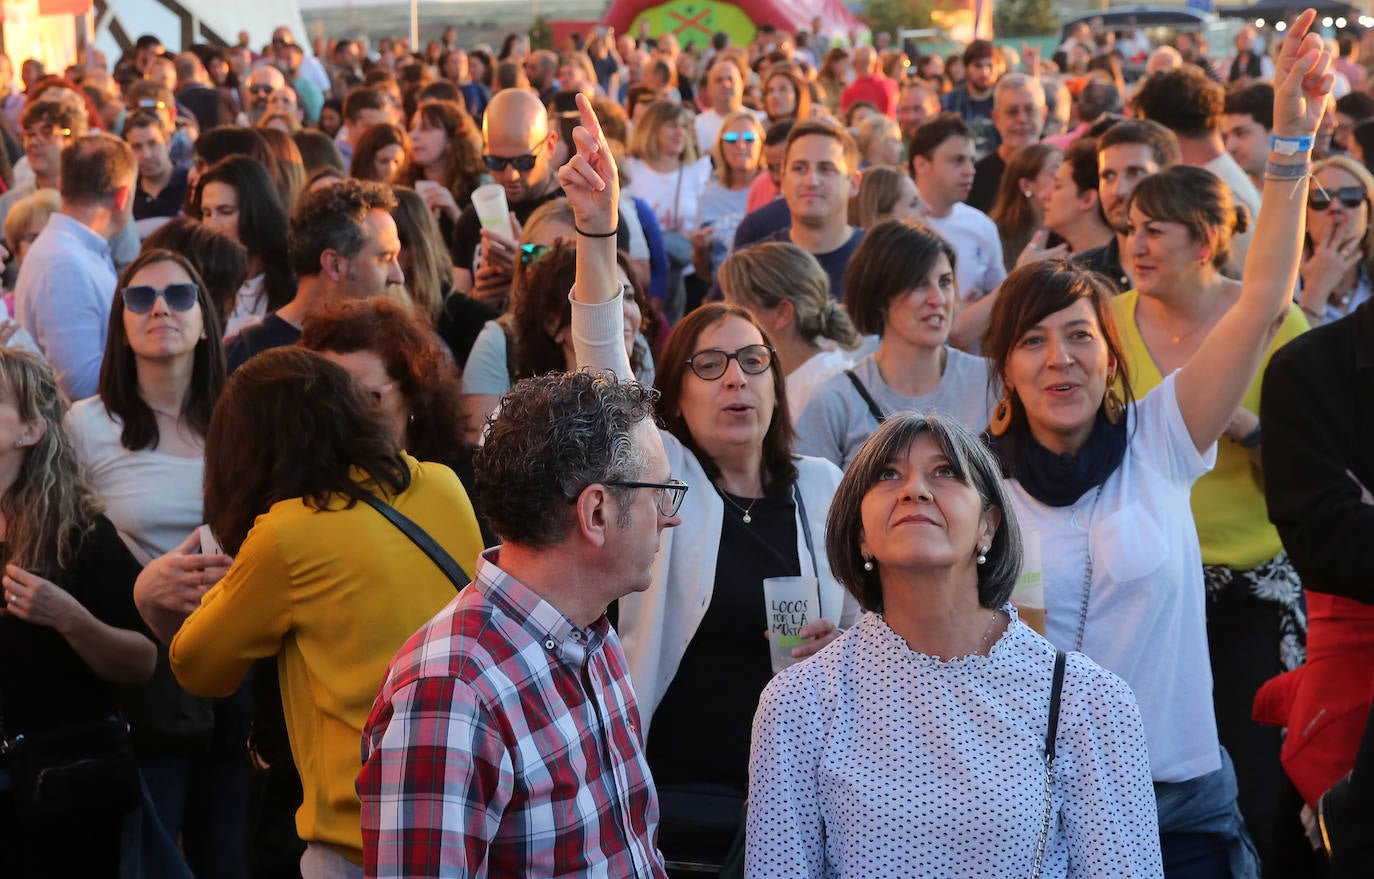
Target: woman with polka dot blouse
{"points": [[914, 745]]}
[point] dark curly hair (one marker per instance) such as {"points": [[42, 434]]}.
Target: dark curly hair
{"points": [[555, 435], [413, 359], [1185, 100], [333, 218], [322, 427]]}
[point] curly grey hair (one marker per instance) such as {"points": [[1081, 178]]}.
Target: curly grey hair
{"points": [[554, 435]]}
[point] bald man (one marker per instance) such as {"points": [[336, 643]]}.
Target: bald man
{"points": [[519, 149], [258, 91]]}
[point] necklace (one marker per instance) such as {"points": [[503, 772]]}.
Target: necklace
{"points": [[731, 501], [983, 646]]}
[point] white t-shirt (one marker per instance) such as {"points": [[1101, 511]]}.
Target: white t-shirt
{"points": [[250, 306], [153, 498], [803, 381], [676, 207], [978, 268], [1147, 619]]}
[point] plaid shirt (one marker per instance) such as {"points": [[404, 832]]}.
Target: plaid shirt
{"points": [[505, 742]]}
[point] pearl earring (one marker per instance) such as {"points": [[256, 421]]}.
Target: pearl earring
{"points": [[983, 556], [19, 444], [868, 564]]}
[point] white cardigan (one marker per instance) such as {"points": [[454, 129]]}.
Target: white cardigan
{"points": [[657, 625]]}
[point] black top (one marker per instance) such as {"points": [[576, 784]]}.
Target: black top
{"points": [[166, 203], [1106, 261], [44, 682], [467, 232], [987, 176], [700, 732], [273, 332], [1318, 457], [834, 262], [461, 322], [762, 223]]}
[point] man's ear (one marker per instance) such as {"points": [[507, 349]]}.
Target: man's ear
{"points": [[594, 513], [332, 265]]}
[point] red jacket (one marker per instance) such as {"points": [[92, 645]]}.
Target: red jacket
{"points": [[1326, 702]]}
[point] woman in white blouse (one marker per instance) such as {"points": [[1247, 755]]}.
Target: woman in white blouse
{"points": [[664, 169], [917, 743], [1101, 483]]}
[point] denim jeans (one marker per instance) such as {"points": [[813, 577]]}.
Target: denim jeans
{"points": [[1201, 831], [203, 802], [147, 850]]}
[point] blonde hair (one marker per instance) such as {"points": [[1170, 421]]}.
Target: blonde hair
{"points": [[723, 172], [1344, 163], [873, 131], [52, 505], [879, 188], [41, 204], [429, 266], [557, 210], [766, 274], [644, 140]]}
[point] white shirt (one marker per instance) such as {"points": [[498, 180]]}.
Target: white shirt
{"points": [[153, 498], [1243, 191], [803, 381], [250, 306], [674, 197], [872, 760], [1147, 620], [978, 268]]}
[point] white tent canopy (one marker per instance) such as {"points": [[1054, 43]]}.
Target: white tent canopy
{"points": [[179, 24]]}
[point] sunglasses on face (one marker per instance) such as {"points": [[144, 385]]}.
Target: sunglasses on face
{"points": [[532, 253], [519, 163], [736, 137], [140, 298], [1348, 196], [711, 364], [260, 89]]}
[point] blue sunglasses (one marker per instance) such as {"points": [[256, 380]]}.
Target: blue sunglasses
{"points": [[736, 137]]}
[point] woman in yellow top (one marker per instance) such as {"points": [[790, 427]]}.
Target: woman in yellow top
{"points": [[1180, 226], [321, 582]]}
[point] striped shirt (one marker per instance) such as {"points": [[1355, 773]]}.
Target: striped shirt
{"points": [[505, 742]]}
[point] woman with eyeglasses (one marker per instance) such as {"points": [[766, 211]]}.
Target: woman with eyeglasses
{"points": [[1339, 261], [142, 439], [237, 197], [1181, 221], [755, 511], [738, 157], [445, 149]]}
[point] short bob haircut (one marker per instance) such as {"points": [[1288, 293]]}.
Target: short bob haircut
{"points": [[412, 357], [973, 465], [644, 139], [1197, 199], [118, 385], [324, 426], [892, 257], [778, 465], [1032, 293], [262, 221]]}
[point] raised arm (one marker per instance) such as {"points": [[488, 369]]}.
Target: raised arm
{"points": [[591, 183], [1212, 384]]}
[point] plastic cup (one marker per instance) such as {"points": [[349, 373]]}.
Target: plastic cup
{"points": [[790, 603], [1029, 592], [489, 200]]}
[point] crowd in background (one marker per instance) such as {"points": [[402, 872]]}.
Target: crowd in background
{"points": [[249, 292]]}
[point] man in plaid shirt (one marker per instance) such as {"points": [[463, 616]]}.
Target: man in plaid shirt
{"points": [[505, 740]]}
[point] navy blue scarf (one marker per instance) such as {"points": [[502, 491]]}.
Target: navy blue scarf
{"points": [[1055, 479]]}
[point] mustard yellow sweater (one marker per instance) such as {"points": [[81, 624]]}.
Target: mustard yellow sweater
{"points": [[335, 594]]}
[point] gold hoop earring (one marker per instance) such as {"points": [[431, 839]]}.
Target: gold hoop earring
{"points": [[1113, 406], [1001, 416]]}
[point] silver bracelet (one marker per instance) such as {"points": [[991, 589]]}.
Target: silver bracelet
{"points": [[1287, 171]]}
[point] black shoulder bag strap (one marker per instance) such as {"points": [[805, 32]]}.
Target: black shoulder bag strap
{"points": [[1056, 690], [873, 406], [420, 537]]}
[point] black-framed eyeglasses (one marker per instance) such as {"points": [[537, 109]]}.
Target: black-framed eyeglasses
{"points": [[737, 136], [519, 163], [1349, 196], [710, 364], [532, 253], [140, 298], [670, 493]]}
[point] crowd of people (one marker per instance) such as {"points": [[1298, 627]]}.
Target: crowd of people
{"points": [[350, 530]]}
